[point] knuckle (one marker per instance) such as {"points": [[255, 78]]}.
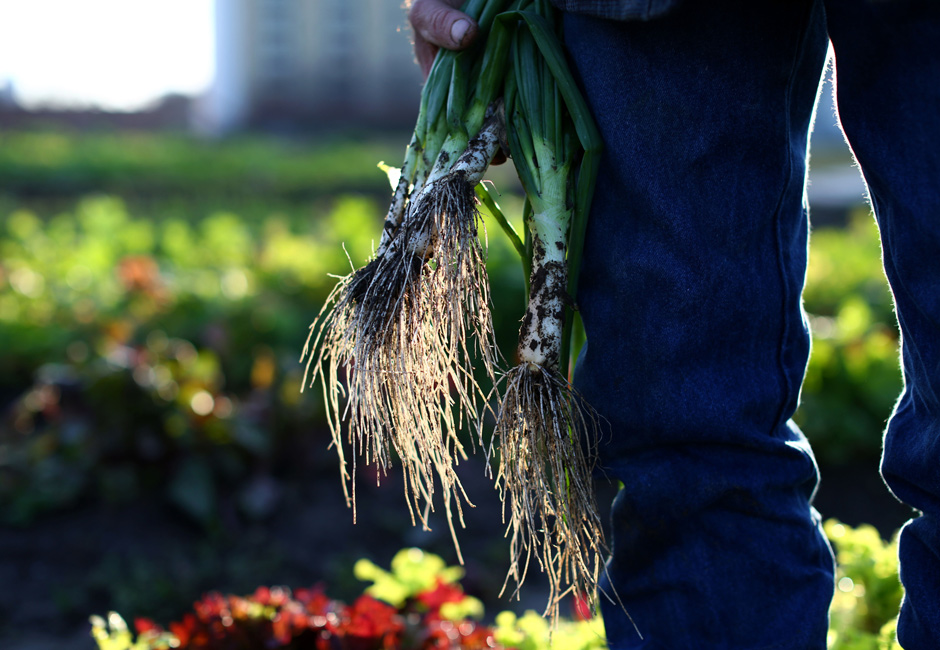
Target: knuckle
{"points": [[430, 20], [440, 24]]}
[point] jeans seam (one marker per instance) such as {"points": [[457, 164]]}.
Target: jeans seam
{"points": [[789, 387]]}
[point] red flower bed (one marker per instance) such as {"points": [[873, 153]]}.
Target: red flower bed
{"points": [[307, 619]]}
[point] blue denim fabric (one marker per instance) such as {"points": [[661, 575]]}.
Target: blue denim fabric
{"points": [[618, 9], [690, 294], [888, 90]]}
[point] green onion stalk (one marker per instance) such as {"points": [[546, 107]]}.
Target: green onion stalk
{"points": [[395, 345], [389, 346], [544, 430]]}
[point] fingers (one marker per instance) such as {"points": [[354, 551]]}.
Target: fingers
{"points": [[437, 24]]}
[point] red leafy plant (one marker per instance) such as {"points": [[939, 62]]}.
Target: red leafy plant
{"points": [[421, 617], [417, 605]]}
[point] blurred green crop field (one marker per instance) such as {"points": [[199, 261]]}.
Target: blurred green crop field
{"points": [[155, 294], [54, 163], [854, 376], [152, 330]]}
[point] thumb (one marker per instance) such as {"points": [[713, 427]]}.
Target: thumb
{"points": [[441, 25]]}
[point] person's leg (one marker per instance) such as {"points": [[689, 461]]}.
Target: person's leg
{"points": [[690, 294], [888, 91]]}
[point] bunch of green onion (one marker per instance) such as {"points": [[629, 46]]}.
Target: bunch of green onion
{"points": [[396, 344]]}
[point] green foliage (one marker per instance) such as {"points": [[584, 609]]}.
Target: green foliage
{"points": [[191, 324], [87, 299], [853, 377], [113, 634], [868, 592], [532, 632], [69, 162], [413, 571], [846, 262]]}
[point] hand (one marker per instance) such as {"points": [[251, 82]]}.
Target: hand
{"points": [[436, 24]]}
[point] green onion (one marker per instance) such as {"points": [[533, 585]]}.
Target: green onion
{"points": [[395, 345], [391, 340], [544, 474]]}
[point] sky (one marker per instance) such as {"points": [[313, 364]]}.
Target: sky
{"points": [[111, 54]]}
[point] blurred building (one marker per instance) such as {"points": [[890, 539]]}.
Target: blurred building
{"points": [[171, 112], [7, 95], [311, 63]]}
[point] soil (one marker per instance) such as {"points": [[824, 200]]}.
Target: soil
{"points": [[146, 559]]}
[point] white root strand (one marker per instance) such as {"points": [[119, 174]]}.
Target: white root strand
{"points": [[545, 434], [390, 344]]}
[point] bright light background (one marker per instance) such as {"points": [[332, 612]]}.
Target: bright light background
{"points": [[112, 54]]}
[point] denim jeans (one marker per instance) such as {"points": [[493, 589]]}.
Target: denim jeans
{"points": [[618, 9], [691, 297]]}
